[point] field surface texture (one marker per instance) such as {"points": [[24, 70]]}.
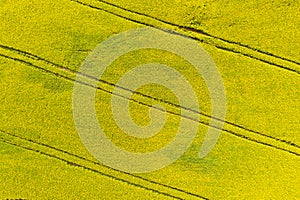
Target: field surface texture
{"points": [[255, 46]]}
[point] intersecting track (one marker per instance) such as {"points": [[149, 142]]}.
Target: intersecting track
{"points": [[196, 34]]}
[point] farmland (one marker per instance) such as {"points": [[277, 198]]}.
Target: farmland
{"points": [[255, 47]]}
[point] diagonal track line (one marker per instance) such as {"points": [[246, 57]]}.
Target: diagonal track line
{"points": [[79, 161], [170, 103], [35, 57], [199, 31], [196, 34], [260, 138]]}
